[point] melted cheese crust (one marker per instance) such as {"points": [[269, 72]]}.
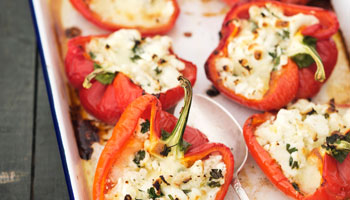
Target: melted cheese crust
{"points": [[303, 127], [264, 43], [181, 182], [144, 13], [146, 61]]}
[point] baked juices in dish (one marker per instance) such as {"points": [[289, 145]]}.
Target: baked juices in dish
{"points": [[150, 17], [271, 53], [144, 162], [303, 149], [111, 71]]}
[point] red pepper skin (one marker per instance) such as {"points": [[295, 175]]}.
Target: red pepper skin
{"points": [[285, 86], [123, 143], [83, 7], [107, 102], [301, 2], [335, 176], [308, 86]]}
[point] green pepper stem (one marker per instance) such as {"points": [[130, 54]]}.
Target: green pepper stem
{"points": [[176, 139], [343, 145], [320, 74], [87, 81]]}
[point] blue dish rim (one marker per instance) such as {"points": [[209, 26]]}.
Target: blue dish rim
{"points": [[52, 103]]}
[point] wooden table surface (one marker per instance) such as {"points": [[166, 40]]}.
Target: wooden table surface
{"points": [[30, 164]]}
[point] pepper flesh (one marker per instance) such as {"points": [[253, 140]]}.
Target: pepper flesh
{"points": [[291, 82], [335, 176], [124, 144], [107, 102], [83, 7]]}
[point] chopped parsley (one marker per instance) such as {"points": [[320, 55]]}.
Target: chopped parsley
{"points": [[310, 41], [135, 57], [92, 55], [213, 184], [145, 126], [275, 58], [291, 150], [338, 146], [285, 34], [152, 193], [303, 60], [140, 155], [293, 164], [215, 174], [187, 191], [158, 71], [136, 46], [171, 197], [104, 78]]}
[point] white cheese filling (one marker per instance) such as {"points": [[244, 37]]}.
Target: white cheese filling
{"points": [[143, 13], [263, 44], [173, 178], [146, 61], [294, 138]]}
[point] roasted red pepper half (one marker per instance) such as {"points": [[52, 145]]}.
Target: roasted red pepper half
{"points": [[108, 18], [123, 144], [107, 101], [297, 78], [335, 175]]}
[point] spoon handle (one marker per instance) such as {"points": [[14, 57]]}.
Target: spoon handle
{"points": [[239, 189]]}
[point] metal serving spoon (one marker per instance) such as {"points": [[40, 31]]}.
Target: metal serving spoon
{"points": [[219, 126]]}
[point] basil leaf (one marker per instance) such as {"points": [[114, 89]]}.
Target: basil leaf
{"points": [[303, 60], [106, 78], [140, 155], [310, 41], [145, 126]]}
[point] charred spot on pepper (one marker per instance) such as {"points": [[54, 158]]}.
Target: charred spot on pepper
{"points": [[156, 95], [212, 91], [72, 32], [220, 35], [216, 52]]}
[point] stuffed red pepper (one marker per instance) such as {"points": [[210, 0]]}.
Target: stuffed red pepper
{"points": [[271, 53], [141, 162], [149, 17], [111, 71], [303, 149]]}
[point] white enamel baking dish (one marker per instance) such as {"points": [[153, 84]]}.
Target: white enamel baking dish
{"points": [[196, 49]]}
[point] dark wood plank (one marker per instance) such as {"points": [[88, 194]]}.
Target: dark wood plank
{"points": [[17, 75], [49, 181]]}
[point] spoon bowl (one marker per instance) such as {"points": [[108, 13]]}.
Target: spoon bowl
{"points": [[219, 126]]}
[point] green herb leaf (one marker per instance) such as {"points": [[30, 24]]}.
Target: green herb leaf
{"points": [[187, 191], [291, 150], [310, 41], [92, 55], [157, 70], [97, 66], [106, 78], [152, 193], [165, 135], [140, 155], [216, 174], [275, 59], [254, 25], [303, 60], [171, 197], [135, 57], [285, 34], [338, 146], [136, 46], [145, 126], [213, 184]]}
